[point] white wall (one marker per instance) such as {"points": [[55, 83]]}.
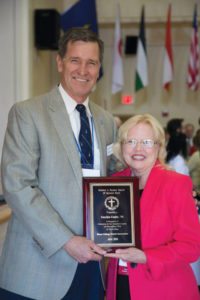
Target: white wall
{"points": [[14, 59], [7, 62]]}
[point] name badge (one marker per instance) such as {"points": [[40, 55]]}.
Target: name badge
{"points": [[91, 172], [109, 149]]}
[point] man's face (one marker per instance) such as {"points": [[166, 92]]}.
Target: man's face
{"points": [[79, 69], [189, 131]]}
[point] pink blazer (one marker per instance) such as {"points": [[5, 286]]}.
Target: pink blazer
{"points": [[170, 236]]}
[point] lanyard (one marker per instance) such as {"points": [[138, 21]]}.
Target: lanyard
{"points": [[92, 137]]}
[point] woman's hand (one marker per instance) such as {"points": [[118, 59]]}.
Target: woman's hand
{"points": [[129, 255], [196, 197]]}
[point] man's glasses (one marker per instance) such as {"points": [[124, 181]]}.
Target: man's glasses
{"points": [[147, 143]]}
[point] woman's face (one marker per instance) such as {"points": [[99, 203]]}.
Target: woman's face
{"points": [[142, 156]]}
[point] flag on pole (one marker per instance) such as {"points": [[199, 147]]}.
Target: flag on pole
{"points": [[193, 76], [168, 56], [141, 79], [117, 75], [82, 13]]}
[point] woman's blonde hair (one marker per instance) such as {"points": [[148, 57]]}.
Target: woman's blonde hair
{"points": [[132, 122]]}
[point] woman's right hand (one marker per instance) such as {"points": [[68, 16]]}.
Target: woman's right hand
{"points": [[134, 255]]}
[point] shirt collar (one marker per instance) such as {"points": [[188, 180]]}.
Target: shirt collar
{"points": [[70, 103]]}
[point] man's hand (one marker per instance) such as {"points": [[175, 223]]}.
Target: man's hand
{"points": [[83, 250]]}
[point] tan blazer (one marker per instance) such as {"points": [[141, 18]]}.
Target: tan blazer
{"points": [[42, 183]]}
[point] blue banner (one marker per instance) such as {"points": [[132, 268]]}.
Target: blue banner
{"points": [[82, 13]]}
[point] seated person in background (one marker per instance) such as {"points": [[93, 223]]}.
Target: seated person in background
{"points": [[189, 132], [118, 121], [170, 230], [117, 164], [194, 168], [177, 153], [194, 162]]}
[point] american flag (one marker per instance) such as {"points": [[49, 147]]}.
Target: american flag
{"points": [[193, 78]]}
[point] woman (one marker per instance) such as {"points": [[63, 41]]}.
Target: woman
{"points": [[177, 153], [170, 231]]}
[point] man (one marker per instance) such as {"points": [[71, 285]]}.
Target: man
{"points": [[45, 255]]}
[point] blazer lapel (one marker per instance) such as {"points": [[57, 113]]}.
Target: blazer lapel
{"points": [[100, 134], [59, 116]]}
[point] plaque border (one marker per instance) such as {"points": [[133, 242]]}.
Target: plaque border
{"points": [[87, 207]]}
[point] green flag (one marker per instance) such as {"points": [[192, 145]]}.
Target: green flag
{"points": [[141, 78]]}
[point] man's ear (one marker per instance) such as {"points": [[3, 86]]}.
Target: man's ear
{"points": [[59, 62]]}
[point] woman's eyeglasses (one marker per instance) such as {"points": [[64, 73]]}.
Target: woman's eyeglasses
{"points": [[147, 143]]}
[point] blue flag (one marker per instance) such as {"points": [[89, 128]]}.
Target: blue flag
{"points": [[82, 13]]}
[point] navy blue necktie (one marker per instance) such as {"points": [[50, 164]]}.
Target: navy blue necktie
{"points": [[85, 140]]}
